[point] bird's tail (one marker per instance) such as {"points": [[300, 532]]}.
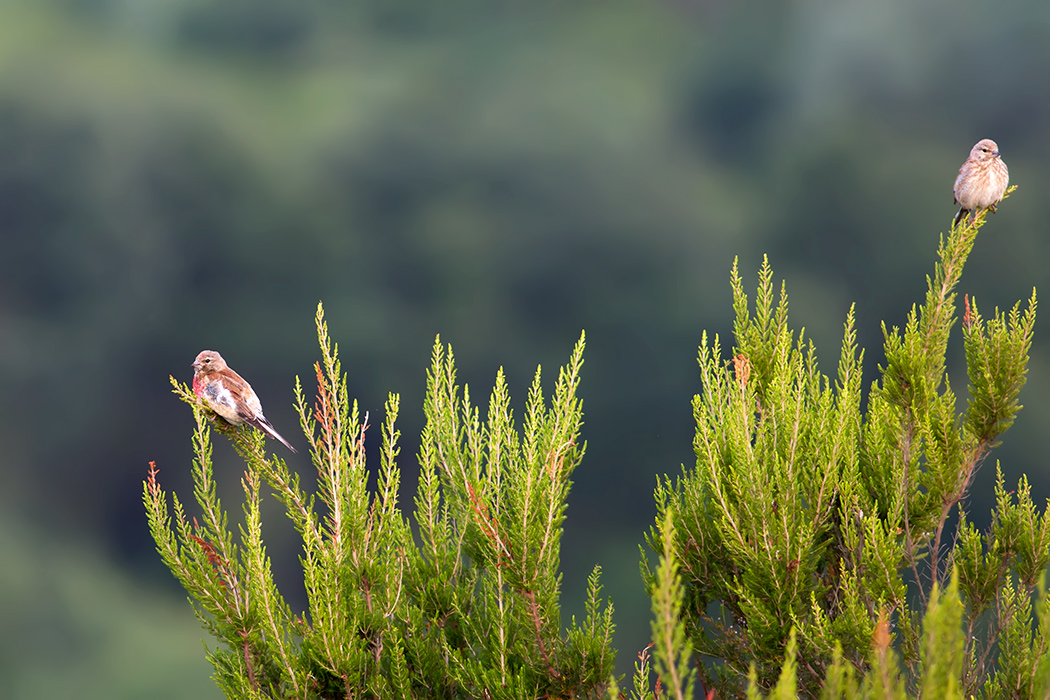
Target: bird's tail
{"points": [[264, 425], [959, 217]]}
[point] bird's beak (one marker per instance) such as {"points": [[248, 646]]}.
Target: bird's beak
{"points": [[995, 153], [196, 365]]}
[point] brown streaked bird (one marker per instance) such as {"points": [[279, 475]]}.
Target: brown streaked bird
{"points": [[225, 392], [982, 180]]}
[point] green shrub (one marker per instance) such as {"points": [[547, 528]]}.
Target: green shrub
{"points": [[816, 509], [468, 609], [819, 548]]}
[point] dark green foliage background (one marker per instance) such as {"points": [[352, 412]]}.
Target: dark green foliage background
{"points": [[199, 174]]}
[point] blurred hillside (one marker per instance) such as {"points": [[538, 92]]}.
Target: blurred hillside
{"points": [[195, 174]]}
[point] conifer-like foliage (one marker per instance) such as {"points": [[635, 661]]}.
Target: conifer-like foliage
{"points": [[822, 528], [466, 608], [819, 548]]}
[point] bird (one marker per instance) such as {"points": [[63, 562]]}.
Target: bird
{"points": [[982, 180], [225, 392]]}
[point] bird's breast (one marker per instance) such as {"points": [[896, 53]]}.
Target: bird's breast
{"points": [[221, 400]]}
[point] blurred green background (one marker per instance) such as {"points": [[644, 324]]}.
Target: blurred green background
{"points": [[192, 174]]}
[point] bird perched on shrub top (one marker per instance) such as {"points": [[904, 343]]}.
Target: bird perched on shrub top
{"points": [[982, 180], [225, 392]]}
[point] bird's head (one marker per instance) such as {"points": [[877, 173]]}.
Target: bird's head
{"points": [[208, 361], [985, 149]]}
